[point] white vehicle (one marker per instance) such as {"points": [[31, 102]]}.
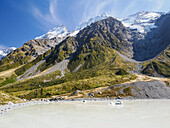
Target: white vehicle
{"points": [[116, 103]]}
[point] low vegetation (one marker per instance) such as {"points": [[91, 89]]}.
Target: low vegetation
{"points": [[49, 85], [158, 67], [22, 70], [5, 98], [8, 80]]}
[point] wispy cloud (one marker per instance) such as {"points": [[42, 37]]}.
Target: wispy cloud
{"points": [[93, 8], [156, 5], [3, 47], [47, 18], [130, 6], [80, 10], [159, 5]]}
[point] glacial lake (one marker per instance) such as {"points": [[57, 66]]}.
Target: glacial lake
{"points": [[93, 114]]}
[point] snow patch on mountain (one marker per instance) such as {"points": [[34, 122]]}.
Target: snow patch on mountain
{"points": [[4, 52], [142, 21], [59, 31], [91, 20]]}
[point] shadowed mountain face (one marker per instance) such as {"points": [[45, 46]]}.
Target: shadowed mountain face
{"points": [[154, 42]]}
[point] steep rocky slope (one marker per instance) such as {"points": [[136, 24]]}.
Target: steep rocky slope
{"points": [[155, 41]]}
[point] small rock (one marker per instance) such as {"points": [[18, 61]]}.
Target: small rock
{"points": [[91, 94], [75, 93], [10, 103], [99, 92]]}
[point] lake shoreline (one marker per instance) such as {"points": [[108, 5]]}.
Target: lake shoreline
{"points": [[4, 109]]}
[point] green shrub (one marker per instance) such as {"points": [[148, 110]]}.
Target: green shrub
{"points": [[9, 80]]}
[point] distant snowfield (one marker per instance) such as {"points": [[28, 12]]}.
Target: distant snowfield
{"points": [[134, 114], [142, 21]]}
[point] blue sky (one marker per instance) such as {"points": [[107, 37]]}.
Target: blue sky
{"points": [[23, 20]]}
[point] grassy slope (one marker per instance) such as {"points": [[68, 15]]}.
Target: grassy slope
{"points": [[5, 98], [14, 59], [101, 75], [160, 64], [23, 55], [23, 69]]}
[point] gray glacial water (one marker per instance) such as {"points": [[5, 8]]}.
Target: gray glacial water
{"points": [[96, 114]]}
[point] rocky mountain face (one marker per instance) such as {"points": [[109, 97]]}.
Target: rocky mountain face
{"points": [[28, 52], [91, 42], [110, 31]]}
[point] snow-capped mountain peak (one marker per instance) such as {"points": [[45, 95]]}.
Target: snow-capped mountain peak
{"points": [[4, 52], [142, 21], [59, 31], [87, 23], [92, 20]]}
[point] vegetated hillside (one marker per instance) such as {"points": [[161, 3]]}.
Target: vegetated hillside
{"points": [[159, 66], [92, 62], [5, 98], [102, 75], [28, 52]]}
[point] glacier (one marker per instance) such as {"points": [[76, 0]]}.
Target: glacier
{"points": [[142, 21]]}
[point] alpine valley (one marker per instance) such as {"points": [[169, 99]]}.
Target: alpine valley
{"points": [[103, 57]]}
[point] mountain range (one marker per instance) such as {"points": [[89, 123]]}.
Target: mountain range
{"points": [[100, 52]]}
